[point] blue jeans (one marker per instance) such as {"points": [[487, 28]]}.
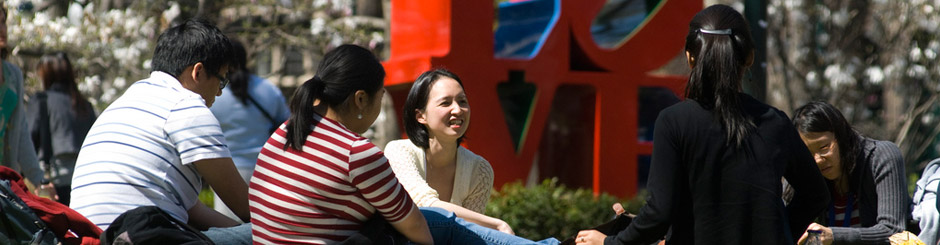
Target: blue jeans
{"points": [[446, 228], [240, 234]]}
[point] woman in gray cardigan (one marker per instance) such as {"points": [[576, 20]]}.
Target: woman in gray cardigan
{"points": [[865, 178]]}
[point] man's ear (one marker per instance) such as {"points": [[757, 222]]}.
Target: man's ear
{"points": [[198, 69]]}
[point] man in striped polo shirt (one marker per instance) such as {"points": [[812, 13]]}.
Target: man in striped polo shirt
{"points": [[158, 142]]}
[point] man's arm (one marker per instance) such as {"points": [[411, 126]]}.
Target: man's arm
{"points": [[202, 217], [222, 176]]}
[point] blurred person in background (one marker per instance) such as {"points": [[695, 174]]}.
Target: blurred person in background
{"points": [[59, 118], [249, 110], [16, 146]]}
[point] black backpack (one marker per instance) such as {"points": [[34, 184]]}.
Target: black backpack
{"points": [[151, 225], [18, 223]]}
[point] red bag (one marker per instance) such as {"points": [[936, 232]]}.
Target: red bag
{"points": [[69, 226]]}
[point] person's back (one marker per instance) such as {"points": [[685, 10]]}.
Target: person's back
{"points": [[245, 126], [158, 143], [718, 157], [59, 117], [248, 110], [128, 160], [733, 192]]}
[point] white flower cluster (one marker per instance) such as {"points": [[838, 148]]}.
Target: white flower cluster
{"points": [[334, 24], [103, 47]]}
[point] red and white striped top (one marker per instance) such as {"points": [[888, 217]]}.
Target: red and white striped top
{"points": [[323, 194]]}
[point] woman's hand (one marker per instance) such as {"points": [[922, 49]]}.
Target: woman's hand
{"points": [[825, 237], [502, 226], [590, 237]]}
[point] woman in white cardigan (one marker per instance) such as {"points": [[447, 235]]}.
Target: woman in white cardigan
{"points": [[431, 164]]}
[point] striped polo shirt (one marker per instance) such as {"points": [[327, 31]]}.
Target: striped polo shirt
{"points": [[324, 193], [139, 152]]}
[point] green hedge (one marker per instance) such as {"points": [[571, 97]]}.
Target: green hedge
{"points": [[552, 210]]}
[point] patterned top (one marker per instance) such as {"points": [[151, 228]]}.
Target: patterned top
{"points": [[473, 178], [139, 152], [324, 193], [840, 205]]}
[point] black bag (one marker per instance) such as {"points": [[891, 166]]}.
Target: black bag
{"points": [[151, 225], [18, 223]]}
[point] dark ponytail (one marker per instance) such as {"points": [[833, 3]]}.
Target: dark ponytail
{"points": [[720, 46], [343, 71]]}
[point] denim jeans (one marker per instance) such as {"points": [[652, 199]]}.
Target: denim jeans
{"points": [[446, 228], [235, 235]]}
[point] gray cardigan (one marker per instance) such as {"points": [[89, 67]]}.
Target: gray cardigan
{"points": [[879, 179]]}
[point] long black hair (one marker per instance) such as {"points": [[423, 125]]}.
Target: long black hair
{"points": [[817, 117], [239, 75], [343, 71], [55, 71], [418, 100], [720, 47]]}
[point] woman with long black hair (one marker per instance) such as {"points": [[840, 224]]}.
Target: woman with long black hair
{"points": [[719, 155], [865, 177]]}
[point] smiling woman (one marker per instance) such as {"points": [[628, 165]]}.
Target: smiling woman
{"points": [[431, 164], [865, 178]]}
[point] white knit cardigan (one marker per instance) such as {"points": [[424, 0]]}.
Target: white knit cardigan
{"points": [[473, 180]]}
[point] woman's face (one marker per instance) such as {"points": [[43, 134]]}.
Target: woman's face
{"points": [[825, 149], [447, 113]]}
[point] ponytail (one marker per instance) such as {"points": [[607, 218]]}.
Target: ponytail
{"points": [[720, 58], [301, 122], [343, 71]]}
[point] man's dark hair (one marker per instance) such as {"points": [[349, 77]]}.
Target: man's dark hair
{"points": [[193, 41]]}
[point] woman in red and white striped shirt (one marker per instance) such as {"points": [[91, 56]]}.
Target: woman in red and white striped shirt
{"points": [[317, 180]]}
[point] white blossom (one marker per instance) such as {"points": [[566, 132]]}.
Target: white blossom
{"points": [[173, 12], [119, 82], [875, 74]]}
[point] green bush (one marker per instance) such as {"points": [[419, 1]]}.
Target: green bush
{"points": [[552, 210]]}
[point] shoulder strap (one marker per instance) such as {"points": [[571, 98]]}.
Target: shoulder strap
{"points": [[45, 132], [266, 114]]}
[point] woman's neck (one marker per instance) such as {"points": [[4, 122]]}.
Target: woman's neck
{"points": [[440, 153], [841, 185]]}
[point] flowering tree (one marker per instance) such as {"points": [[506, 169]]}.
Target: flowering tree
{"points": [[876, 60], [106, 49], [111, 42]]}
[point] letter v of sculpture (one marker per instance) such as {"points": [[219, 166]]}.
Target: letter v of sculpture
{"points": [[459, 35]]}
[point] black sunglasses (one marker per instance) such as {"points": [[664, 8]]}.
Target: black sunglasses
{"points": [[222, 81]]}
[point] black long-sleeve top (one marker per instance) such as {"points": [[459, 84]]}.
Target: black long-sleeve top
{"points": [[709, 192]]}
